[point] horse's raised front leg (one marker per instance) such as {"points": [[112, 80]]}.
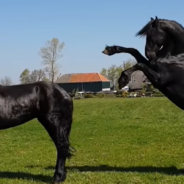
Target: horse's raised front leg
{"points": [[125, 76], [152, 75], [111, 50], [135, 53]]}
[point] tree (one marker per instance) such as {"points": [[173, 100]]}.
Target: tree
{"points": [[112, 74], [6, 81], [104, 72], [34, 76], [37, 75], [128, 64], [24, 76], [50, 54]]}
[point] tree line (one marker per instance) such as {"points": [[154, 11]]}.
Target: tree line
{"points": [[50, 55]]}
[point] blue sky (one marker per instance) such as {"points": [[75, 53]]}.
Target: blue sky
{"points": [[84, 26]]}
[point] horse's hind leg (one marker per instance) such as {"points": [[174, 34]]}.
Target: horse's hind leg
{"points": [[58, 126]]}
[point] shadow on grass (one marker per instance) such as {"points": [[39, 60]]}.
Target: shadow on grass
{"points": [[144, 169], [25, 176]]}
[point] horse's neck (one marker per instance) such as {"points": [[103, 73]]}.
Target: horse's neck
{"points": [[176, 34], [170, 50], [166, 50]]}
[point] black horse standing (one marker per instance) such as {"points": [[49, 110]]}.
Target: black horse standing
{"points": [[53, 108]]}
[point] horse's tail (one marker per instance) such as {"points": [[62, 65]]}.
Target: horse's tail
{"points": [[66, 128]]}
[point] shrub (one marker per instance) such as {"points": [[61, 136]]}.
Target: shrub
{"points": [[125, 94], [158, 95], [119, 95], [100, 95], [148, 94], [110, 95], [88, 96]]}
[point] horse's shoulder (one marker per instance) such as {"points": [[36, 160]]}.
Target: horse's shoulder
{"points": [[177, 57]]}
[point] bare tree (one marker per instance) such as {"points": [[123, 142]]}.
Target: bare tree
{"points": [[37, 75], [50, 55], [6, 81], [34, 76]]}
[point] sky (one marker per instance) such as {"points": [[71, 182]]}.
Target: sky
{"points": [[85, 27]]}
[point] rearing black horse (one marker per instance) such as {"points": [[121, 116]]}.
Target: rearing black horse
{"points": [[163, 38], [53, 108], [166, 74]]}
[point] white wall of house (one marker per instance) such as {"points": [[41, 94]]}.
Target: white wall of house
{"points": [[106, 89]]}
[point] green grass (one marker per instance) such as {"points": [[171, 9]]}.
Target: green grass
{"points": [[117, 141]]}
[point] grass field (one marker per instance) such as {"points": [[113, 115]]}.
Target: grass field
{"points": [[117, 141]]}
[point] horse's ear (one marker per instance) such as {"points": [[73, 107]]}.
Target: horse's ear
{"points": [[156, 22], [152, 18]]}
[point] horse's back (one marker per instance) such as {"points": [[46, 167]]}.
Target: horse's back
{"points": [[44, 87]]}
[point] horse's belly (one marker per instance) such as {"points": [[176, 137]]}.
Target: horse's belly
{"points": [[12, 122], [14, 113]]}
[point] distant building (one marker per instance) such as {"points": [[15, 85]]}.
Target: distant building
{"points": [[92, 82], [138, 79]]}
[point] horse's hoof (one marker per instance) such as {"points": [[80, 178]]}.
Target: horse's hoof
{"points": [[54, 182], [59, 180]]}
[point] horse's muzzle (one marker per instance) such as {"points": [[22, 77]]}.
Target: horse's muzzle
{"points": [[150, 55]]}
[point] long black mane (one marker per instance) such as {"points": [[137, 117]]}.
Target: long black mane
{"points": [[171, 24]]}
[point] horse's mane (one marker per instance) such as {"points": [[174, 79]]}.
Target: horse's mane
{"points": [[169, 23], [145, 29]]}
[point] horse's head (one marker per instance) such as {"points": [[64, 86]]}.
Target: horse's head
{"points": [[156, 38]]}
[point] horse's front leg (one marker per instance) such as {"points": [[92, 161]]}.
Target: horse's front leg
{"points": [[125, 76], [152, 75]]}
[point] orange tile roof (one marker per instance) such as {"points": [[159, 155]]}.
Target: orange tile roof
{"points": [[88, 77]]}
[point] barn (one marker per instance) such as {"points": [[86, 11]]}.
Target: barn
{"points": [[92, 82], [138, 79]]}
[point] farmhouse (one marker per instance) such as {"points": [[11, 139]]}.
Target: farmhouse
{"points": [[138, 79], [92, 82]]}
